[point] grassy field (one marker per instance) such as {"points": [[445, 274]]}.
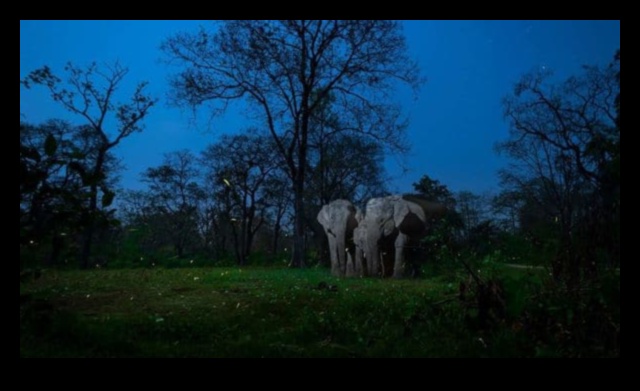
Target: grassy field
{"points": [[252, 312]]}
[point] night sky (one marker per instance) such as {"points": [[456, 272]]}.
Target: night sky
{"points": [[455, 122]]}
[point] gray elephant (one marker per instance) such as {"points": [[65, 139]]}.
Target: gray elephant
{"points": [[389, 223], [339, 218]]}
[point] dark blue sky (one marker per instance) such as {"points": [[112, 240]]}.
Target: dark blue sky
{"points": [[456, 120]]}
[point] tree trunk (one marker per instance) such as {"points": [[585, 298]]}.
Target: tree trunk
{"points": [[276, 235], [245, 223], [236, 243], [56, 248], [249, 240], [87, 239], [298, 232], [333, 255], [298, 190]]}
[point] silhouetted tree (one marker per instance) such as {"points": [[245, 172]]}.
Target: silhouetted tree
{"points": [[345, 166], [505, 207], [479, 231], [342, 164], [285, 70], [279, 202], [433, 190], [565, 145], [238, 170], [443, 232], [471, 208], [174, 198], [54, 160], [89, 93]]}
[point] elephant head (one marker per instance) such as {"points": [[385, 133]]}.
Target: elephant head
{"points": [[339, 218], [390, 222]]}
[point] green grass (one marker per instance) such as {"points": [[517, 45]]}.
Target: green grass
{"points": [[250, 312], [219, 312]]}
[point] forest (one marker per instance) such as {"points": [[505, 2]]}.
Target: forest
{"points": [[238, 250]]}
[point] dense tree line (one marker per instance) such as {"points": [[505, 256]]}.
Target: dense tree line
{"points": [[323, 129], [565, 175], [57, 179], [88, 93]]}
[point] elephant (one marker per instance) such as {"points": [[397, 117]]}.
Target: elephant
{"points": [[339, 218], [389, 223]]}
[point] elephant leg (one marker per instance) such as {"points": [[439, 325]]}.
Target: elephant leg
{"points": [[333, 255], [358, 266], [373, 261], [398, 268], [350, 269], [342, 255]]}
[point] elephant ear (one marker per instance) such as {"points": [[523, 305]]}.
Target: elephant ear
{"points": [[387, 227], [402, 208], [323, 216], [418, 210]]}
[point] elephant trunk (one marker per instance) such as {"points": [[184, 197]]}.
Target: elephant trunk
{"points": [[372, 251]]}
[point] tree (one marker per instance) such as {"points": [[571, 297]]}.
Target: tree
{"points": [[54, 161], [345, 166], [471, 208], [442, 233], [286, 69], [278, 200], [505, 206], [89, 93], [175, 197], [565, 146], [49, 192], [239, 169], [342, 164], [433, 190]]}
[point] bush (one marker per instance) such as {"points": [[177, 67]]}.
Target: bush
{"points": [[581, 321]]}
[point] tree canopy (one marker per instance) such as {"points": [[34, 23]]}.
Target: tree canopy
{"points": [[286, 70]]}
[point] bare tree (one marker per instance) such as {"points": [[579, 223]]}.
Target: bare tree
{"points": [[286, 69], [551, 190], [278, 201], [569, 117], [505, 206], [238, 169], [175, 196], [565, 146], [472, 209], [90, 93]]}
